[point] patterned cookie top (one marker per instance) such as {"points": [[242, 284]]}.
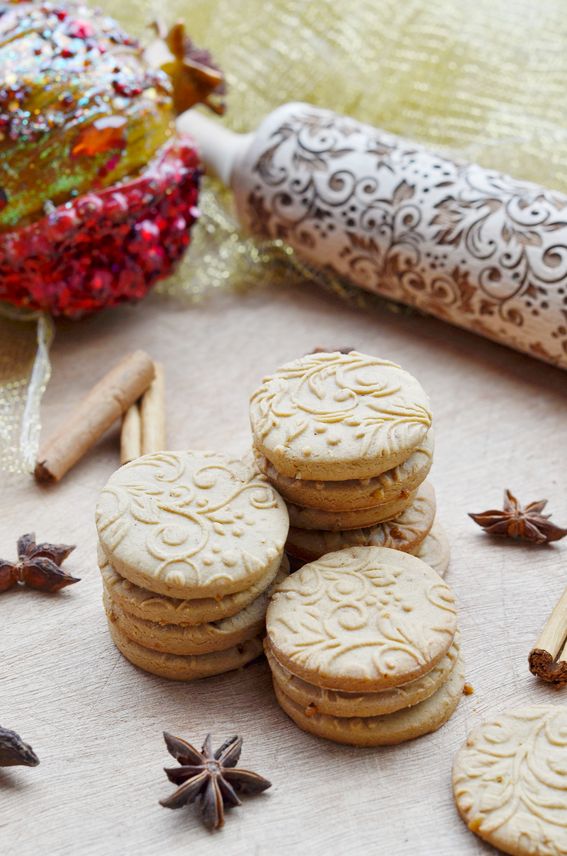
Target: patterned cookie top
{"points": [[339, 416], [510, 781], [405, 533], [366, 618], [191, 524]]}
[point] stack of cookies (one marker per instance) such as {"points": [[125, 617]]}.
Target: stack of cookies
{"points": [[347, 441], [191, 545], [363, 647]]}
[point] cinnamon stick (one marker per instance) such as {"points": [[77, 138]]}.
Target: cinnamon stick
{"points": [[131, 435], [152, 410], [103, 405], [548, 659]]}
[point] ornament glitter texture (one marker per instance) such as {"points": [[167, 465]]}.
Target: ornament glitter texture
{"points": [[97, 195]]}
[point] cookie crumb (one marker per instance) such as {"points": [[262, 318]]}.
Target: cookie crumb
{"points": [[468, 689]]}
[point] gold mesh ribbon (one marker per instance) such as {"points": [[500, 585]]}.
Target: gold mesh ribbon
{"points": [[482, 81]]}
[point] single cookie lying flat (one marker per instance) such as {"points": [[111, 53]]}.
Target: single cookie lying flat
{"points": [[354, 494], [185, 668], [405, 533], [339, 416], [334, 703], [510, 781], [362, 619], [191, 524], [388, 730], [200, 638]]}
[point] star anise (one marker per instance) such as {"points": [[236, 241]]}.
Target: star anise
{"points": [[14, 752], [37, 566], [209, 778], [523, 522]]}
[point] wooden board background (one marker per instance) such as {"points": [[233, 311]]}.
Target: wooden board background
{"points": [[96, 721]]}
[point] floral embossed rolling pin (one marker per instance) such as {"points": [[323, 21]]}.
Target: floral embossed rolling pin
{"points": [[471, 246]]}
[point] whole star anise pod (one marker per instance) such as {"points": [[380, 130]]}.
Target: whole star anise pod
{"points": [[522, 522], [14, 752], [209, 778], [37, 566]]}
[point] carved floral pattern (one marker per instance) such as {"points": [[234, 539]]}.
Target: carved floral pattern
{"points": [[195, 521], [510, 781], [369, 405], [466, 244], [355, 618]]}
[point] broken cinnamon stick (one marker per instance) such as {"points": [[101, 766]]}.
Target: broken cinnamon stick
{"points": [[548, 658], [152, 410], [131, 435], [103, 405]]}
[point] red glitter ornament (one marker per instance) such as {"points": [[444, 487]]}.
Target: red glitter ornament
{"points": [[105, 247], [98, 198]]}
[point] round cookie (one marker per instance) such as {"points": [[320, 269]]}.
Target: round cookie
{"points": [[185, 668], [338, 416], [149, 606], [363, 619], [334, 703], [196, 639], [191, 524], [435, 549], [405, 533], [352, 494], [423, 718], [510, 780], [337, 521]]}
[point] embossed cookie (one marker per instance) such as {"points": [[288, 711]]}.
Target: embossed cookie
{"points": [[339, 416], [353, 494], [191, 524], [362, 619], [435, 550], [149, 606], [196, 639], [510, 781], [405, 533], [185, 668], [423, 718], [337, 521], [335, 703]]}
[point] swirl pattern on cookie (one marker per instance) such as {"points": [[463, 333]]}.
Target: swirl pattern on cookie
{"points": [[510, 781], [364, 618], [339, 416], [191, 524]]}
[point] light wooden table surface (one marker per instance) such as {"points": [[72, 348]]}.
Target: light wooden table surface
{"points": [[96, 721]]}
